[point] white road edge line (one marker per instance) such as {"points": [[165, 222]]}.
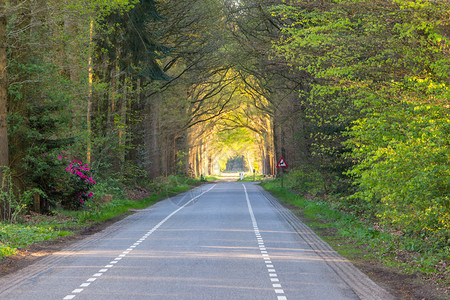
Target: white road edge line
{"points": [[141, 239], [266, 257]]}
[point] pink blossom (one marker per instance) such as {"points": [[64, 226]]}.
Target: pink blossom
{"points": [[90, 195], [59, 157]]}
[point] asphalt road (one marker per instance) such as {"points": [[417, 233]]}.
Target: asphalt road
{"points": [[218, 241]]}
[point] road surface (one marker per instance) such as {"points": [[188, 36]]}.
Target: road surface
{"points": [[217, 241]]}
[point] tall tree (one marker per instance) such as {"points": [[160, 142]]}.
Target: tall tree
{"points": [[4, 157]]}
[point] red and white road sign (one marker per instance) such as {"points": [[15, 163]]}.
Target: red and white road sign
{"points": [[282, 163]]}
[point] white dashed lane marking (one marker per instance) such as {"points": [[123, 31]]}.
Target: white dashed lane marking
{"points": [[129, 249], [262, 248]]}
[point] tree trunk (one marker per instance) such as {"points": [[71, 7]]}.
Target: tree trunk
{"points": [[151, 136], [155, 151], [4, 158], [123, 115], [162, 157], [197, 161], [112, 98], [123, 123], [249, 161], [91, 91]]}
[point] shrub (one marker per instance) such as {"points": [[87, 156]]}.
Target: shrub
{"points": [[78, 184], [404, 170], [108, 186], [10, 205], [305, 181]]}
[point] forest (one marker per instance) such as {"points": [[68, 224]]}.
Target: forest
{"points": [[353, 94]]}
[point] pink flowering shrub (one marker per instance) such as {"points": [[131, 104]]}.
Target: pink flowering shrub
{"points": [[80, 182], [62, 180]]}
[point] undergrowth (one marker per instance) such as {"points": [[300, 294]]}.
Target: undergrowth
{"points": [[13, 236]]}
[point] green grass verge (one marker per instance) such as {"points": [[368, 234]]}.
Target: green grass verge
{"points": [[101, 212], [37, 228], [212, 178], [342, 231], [13, 236], [249, 178]]}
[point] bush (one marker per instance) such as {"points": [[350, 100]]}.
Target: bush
{"points": [[12, 205], [404, 172], [132, 175], [304, 181], [46, 174], [108, 186], [78, 184]]}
